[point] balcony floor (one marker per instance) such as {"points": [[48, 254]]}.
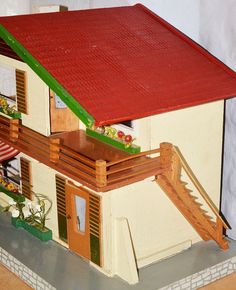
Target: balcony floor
{"points": [[89, 146]]}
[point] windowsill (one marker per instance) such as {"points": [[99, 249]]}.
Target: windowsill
{"points": [[16, 196]]}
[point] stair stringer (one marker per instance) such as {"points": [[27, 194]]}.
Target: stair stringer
{"points": [[180, 195]]}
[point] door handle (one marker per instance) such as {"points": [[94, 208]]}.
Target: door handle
{"points": [[68, 217]]}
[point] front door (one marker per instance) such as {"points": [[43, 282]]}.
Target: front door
{"points": [[77, 210]]}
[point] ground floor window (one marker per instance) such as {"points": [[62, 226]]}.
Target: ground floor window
{"points": [[9, 174]]}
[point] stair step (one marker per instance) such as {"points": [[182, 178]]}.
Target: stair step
{"points": [[188, 190], [183, 182], [208, 217], [203, 211], [187, 203], [193, 197]]}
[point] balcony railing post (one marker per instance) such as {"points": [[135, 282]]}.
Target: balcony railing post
{"points": [[54, 149], [101, 173], [166, 156], [14, 129]]}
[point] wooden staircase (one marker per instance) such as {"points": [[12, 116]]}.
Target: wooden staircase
{"points": [[188, 204]]}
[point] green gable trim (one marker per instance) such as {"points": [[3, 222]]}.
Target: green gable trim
{"points": [[84, 116], [134, 149]]}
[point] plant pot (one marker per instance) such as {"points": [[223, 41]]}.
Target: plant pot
{"points": [[17, 223], [43, 235]]}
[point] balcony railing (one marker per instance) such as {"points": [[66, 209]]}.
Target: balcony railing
{"points": [[100, 175]]}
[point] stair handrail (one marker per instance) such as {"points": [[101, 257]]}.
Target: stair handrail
{"points": [[198, 185]]}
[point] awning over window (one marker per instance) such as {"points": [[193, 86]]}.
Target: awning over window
{"points": [[7, 152]]}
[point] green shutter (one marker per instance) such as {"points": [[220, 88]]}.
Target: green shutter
{"points": [[26, 179], [95, 228], [61, 207]]}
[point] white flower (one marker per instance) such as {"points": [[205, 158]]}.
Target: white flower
{"points": [[29, 204], [11, 202], [15, 213], [26, 213], [37, 214], [37, 207]]}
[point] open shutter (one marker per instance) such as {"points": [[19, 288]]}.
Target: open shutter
{"points": [[61, 207], [26, 179], [95, 228], [21, 91]]}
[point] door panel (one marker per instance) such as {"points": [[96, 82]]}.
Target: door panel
{"points": [[62, 119], [77, 209]]}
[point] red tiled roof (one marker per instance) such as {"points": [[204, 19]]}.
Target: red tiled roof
{"points": [[122, 63]]}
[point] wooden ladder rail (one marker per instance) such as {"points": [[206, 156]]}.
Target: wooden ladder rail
{"points": [[198, 186]]}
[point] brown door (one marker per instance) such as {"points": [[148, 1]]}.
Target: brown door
{"points": [[62, 118], [77, 210]]}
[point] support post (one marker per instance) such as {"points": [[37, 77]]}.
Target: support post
{"points": [[14, 129], [101, 173], [219, 235], [166, 156], [54, 149]]}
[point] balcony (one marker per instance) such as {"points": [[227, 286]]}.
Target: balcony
{"points": [[85, 159]]}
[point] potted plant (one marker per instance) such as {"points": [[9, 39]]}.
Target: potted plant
{"points": [[32, 216]]}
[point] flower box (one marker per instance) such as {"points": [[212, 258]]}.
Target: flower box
{"points": [[133, 149], [43, 235], [14, 115], [17, 223], [16, 196]]}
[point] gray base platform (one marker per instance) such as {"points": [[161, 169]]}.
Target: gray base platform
{"points": [[50, 266]]}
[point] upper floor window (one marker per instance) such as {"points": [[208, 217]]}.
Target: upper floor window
{"points": [[13, 88]]}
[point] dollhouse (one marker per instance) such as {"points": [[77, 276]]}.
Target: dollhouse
{"points": [[117, 117]]}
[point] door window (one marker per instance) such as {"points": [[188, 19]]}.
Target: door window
{"points": [[80, 204]]}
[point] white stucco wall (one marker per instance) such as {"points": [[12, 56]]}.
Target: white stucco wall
{"points": [[157, 228]]}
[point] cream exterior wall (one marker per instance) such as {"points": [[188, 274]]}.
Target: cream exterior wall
{"points": [[157, 228], [38, 118]]}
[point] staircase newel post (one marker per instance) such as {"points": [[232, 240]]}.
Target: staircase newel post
{"points": [[166, 155], [219, 234]]}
